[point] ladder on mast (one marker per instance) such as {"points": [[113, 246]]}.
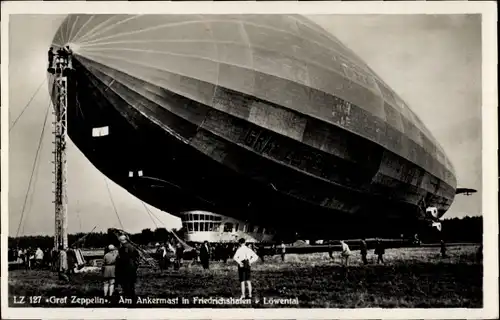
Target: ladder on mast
{"points": [[60, 142]]}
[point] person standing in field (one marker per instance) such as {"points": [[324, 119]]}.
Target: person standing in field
{"points": [[479, 254], [330, 250], [443, 249], [195, 254], [179, 254], [218, 252], [244, 257], [364, 251], [19, 256], [261, 252], [108, 270], [62, 264], [346, 252], [28, 258], [38, 258], [47, 258], [54, 259], [127, 264], [166, 256], [379, 251], [283, 251], [205, 255], [70, 253], [162, 256], [226, 252], [159, 255]]}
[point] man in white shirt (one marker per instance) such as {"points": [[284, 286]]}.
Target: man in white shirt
{"points": [[345, 253], [283, 251], [38, 257], [244, 257]]}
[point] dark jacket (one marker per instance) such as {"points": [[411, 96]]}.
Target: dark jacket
{"points": [[204, 252], [179, 252], [127, 262], [363, 247], [379, 249], [71, 259], [443, 247]]}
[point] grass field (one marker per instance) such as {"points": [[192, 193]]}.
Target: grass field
{"points": [[410, 278]]}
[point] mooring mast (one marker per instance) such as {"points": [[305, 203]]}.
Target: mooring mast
{"points": [[60, 62]]}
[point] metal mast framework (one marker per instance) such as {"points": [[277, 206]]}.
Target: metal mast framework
{"points": [[60, 164]]}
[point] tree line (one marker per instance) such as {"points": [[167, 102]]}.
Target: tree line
{"points": [[95, 239], [466, 229]]}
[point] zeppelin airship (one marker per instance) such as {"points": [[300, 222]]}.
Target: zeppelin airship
{"points": [[266, 119]]}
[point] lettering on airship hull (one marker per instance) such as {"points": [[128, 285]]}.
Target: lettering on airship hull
{"points": [[266, 143]]}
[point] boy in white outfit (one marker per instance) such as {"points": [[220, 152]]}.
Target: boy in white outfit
{"points": [[244, 257]]}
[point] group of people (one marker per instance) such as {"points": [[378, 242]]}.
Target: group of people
{"points": [[217, 251], [214, 252], [379, 251], [207, 252], [46, 258], [32, 258], [60, 59], [244, 255], [68, 262], [120, 266], [363, 249], [164, 255]]}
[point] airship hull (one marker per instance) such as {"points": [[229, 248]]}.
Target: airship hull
{"points": [[273, 147]]}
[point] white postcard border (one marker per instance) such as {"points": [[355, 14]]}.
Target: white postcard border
{"points": [[488, 10]]}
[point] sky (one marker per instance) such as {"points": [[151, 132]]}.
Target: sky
{"points": [[433, 62]]}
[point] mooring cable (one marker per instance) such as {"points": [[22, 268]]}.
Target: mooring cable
{"points": [[149, 214], [33, 169], [26, 106], [113, 203]]}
